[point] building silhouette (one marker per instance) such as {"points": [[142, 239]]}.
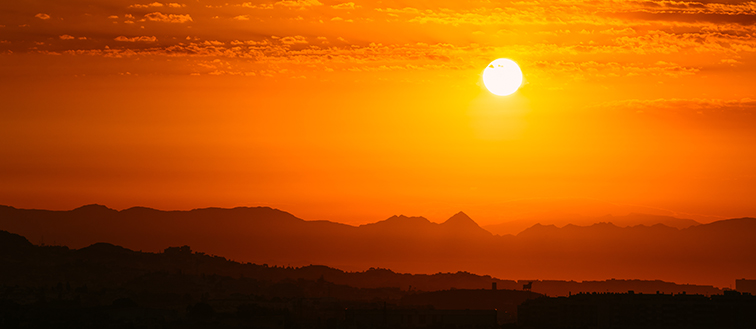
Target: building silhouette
{"points": [[745, 285]]}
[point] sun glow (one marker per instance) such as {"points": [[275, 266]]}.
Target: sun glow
{"points": [[502, 77]]}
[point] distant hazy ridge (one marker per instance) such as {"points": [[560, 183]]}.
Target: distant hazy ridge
{"points": [[716, 253]]}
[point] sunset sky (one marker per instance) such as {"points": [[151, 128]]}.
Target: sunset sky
{"points": [[356, 111]]}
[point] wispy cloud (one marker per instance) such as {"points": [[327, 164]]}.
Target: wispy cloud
{"points": [[143, 38], [301, 4], [154, 4], [168, 18], [345, 5]]}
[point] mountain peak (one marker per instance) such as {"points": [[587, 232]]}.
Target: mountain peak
{"points": [[408, 220], [399, 222], [461, 222], [94, 208], [460, 218]]}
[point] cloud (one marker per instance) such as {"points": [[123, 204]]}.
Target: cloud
{"points": [[143, 38], [613, 31], [300, 4], [730, 61], [582, 12], [591, 69], [544, 33], [154, 4], [345, 5], [42, 16], [66, 37], [662, 42], [406, 10], [291, 53], [169, 18], [249, 43], [298, 39], [260, 6]]}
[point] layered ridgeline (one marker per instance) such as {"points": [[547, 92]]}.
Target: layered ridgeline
{"points": [[716, 253], [561, 219], [107, 266]]}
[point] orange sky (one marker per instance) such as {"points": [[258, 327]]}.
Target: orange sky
{"points": [[355, 111]]}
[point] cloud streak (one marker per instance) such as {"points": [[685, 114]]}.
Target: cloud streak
{"points": [[566, 39], [168, 18], [143, 38]]}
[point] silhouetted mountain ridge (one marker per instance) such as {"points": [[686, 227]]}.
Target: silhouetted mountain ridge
{"points": [[93, 208], [562, 219], [605, 229], [399, 222], [705, 254]]}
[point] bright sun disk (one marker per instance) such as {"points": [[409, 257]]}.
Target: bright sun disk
{"points": [[502, 77]]}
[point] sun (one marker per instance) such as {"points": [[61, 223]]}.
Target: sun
{"points": [[502, 77]]}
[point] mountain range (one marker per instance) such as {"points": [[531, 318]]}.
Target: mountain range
{"points": [[562, 219], [715, 253]]}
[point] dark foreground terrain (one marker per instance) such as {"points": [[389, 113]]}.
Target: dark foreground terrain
{"points": [[107, 286]]}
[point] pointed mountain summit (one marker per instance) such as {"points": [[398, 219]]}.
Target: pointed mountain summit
{"points": [[460, 219], [463, 224]]}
